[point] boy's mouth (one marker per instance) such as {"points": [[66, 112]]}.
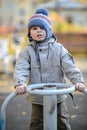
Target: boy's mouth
{"points": [[39, 35]]}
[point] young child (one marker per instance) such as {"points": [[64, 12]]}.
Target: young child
{"points": [[45, 60]]}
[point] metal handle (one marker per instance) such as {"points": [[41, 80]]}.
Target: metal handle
{"points": [[3, 110], [62, 88]]}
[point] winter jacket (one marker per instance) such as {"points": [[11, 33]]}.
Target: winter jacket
{"points": [[45, 62]]}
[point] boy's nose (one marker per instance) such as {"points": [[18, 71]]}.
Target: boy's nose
{"points": [[39, 29]]}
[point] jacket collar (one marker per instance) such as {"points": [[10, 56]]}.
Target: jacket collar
{"points": [[43, 43]]}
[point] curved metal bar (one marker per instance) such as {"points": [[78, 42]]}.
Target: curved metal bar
{"points": [[85, 91], [3, 109], [52, 92], [41, 85], [65, 88]]}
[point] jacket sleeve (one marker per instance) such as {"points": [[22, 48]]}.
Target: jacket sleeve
{"points": [[70, 69], [22, 67]]}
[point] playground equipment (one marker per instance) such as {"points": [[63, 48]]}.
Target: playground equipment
{"points": [[49, 91]]}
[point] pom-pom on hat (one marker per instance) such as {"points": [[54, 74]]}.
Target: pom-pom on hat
{"points": [[41, 19]]}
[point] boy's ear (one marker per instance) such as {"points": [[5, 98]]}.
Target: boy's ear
{"points": [[30, 36]]}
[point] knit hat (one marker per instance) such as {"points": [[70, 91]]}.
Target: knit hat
{"points": [[41, 19]]}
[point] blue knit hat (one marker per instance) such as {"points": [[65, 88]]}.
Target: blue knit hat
{"points": [[41, 19]]}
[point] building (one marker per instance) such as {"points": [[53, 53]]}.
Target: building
{"points": [[15, 13], [71, 11]]}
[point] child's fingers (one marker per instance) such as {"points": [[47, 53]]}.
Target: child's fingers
{"points": [[80, 87]]}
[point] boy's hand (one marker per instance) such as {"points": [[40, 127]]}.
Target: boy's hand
{"points": [[80, 87], [21, 89]]}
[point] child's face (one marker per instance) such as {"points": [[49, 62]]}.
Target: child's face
{"points": [[37, 33]]}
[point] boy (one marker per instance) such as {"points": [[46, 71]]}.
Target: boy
{"points": [[45, 60]]}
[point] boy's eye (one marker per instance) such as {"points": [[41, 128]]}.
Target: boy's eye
{"points": [[34, 28]]}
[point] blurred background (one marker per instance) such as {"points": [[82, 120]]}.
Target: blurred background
{"points": [[69, 24]]}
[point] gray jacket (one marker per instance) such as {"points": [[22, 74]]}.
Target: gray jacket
{"points": [[45, 62]]}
